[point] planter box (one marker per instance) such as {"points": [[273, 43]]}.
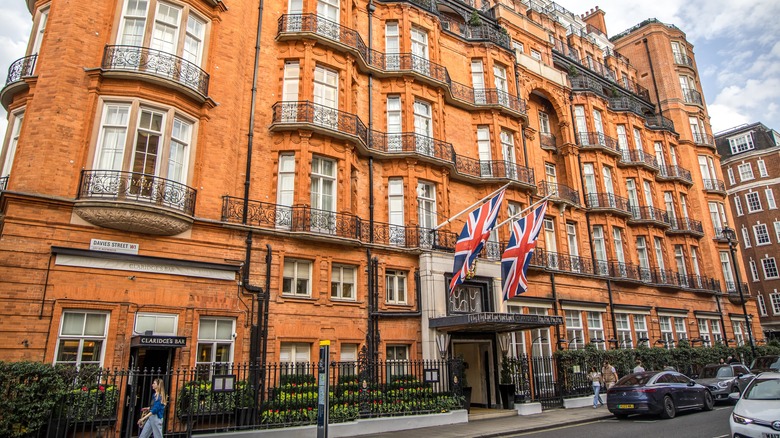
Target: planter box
{"points": [[528, 408], [578, 402]]}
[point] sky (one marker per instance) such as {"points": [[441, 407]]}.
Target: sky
{"points": [[736, 46]]}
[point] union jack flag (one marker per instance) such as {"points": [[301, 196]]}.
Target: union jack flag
{"points": [[472, 238], [517, 255]]}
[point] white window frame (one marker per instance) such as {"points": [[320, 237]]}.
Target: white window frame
{"points": [[769, 264], [640, 327], [777, 231], [774, 300], [717, 331], [761, 305], [730, 173], [596, 329], [745, 237], [738, 205], [770, 199], [426, 204], [680, 327], [397, 360], [762, 235], [85, 337], [753, 202], [343, 282], [294, 272], [741, 143], [574, 329], [395, 207], [12, 141], [221, 337], [544, 123], [157, 323], [754, 270], [704, 331], [667, 333], [40, 30], [745, 172], [395, 286], [294, 357], [762, 172], [625, 339]]}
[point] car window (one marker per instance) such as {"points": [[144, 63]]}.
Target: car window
{"points": [[679, 378], [665, 378], [725, 372], [776, 365], [763, 389], [710, 372], [741, 370], [640, 379]]}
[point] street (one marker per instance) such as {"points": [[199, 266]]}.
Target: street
{"points": [[693, 424]]}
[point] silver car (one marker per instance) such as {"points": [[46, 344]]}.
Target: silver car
{"points": [[723, 379]]}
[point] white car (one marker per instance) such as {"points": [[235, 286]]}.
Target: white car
{"points": [[757, 412]]}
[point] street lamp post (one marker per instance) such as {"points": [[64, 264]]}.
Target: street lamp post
{"points": [[731, 238]]}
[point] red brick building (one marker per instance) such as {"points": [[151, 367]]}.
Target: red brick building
{"points": [[171, 164]]}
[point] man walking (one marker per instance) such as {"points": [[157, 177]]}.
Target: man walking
{"points": [[639, 368], [608, 375]]}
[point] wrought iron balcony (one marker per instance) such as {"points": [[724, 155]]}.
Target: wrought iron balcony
{"points": [[733, 293], [559, 191], [138, 188], [495, 169], [684, 225], [483, 32], [659, 122], [548, 142], [703, 283], [583, 82], [426, 5], [21, 68], [665, 277], [320, 116], [683, 59], [3, 183], [644, 214], [626, 104], [714, 186], [487, 97], [692, 96], [675, 172], [635, 157], [607, 201], [562, 262], [597, 140], [156, 63], [703, 139], [629, 272], [412, 143]]}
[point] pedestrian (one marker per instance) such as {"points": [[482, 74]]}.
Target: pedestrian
{"points": [[595, 378], [722, 361], [152, 419], [608, 375], [639, 368], [734, 360]]}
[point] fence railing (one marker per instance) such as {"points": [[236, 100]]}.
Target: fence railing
{"points": [[157, 63], [137, 188], [21, 68]]}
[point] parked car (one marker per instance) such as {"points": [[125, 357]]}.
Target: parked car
{"points": [[765, 363], [725, 378], [757, 410], [661, 393]]}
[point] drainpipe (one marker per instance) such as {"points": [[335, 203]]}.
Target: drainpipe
{"points": [[652, 75], [722, 321], [522, 133], [555, 310], [370, 8]]}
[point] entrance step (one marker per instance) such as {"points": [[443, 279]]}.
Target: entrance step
{"points": [[476, 414]]}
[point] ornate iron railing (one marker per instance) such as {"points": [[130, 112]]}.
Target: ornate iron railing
{"points": [[659, 122], [626, 104], [692, 96], [483, 32], [645, 213], [426, 5], [21, 68], [562, 262], [412, 143], [3, 183], [638, 157], [627, 271], [607, 200], [714, 185], [683, 59], [548, 142], [320, 115], [597, 139], [559, 191], [676, 172], [583, 82], [703, 139], [684, 224], [137, 188], [494, 169], [157, 63]]}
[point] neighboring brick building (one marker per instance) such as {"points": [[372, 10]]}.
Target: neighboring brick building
{"points": [[131, 234], [751, 160]]}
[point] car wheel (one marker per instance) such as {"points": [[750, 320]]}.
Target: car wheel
{"points": [[669, 410], [709, 402]]}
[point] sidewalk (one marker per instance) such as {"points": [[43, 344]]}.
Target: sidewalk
{"points": [[505, 426]]}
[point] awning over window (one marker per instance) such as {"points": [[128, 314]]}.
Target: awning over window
{"points": [[492, 322]]}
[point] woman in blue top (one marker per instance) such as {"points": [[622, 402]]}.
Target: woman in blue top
{"points": [[154, 416]]}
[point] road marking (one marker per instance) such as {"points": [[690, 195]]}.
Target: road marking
{"points": [[721, 436], [557, 428]]}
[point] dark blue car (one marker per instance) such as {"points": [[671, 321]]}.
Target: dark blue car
{"points": [[661, 393]]}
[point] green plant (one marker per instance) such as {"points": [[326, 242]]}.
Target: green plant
{"points": [[474, 19], [573, 72], [506, 369], [30, 390], [88, 403], [196, 398]]}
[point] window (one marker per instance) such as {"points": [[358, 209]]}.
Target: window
{"points": [[395, 206], [622, 137], [717, 215], [761, 168], [596, 330], [580, 124], [215, 346], [777, 231], [762, 235], [741, 143], [296, 278], [623, 330], [761, 305], [717, 335], [770, 199], [679, 258], [395, 287], [666, 330], [738, 205], [574, 329], [423, 128], [753, 202], [770, 268], [541, 339], [738, 332], [659, 254], [323, 194], [290, 85], [746, 236], [535, 54], [161, 143], [695, 265], [637, 139], [518, 46], [478, 80], [617, 240], [774, 299], [158, 324], [725, 266], [43, 18], [326, 97], [484, 150], [550, 243], [574, 250], [745, 172], [285, 195], [420, 50], [394, 124], [10, 149], [707, 169], [508, 153], [600, 250], [82, 335], [348, 359], [544, 123], [644, 261], [392, 46], [679, 328], [397, 360], [426, 204], [590, 182], [640, 328], [704, 332], [599, 126], [754, 270], [500, 81], [342, 282], [294, 358], [730, 173]]}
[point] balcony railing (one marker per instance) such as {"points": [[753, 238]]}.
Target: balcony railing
{"points": [[156, 63], [597, 139], [494, 169], [650, 214], [638, 158], [398, 62], [683, 59], [548, 142], [659, 122], [626, 104], [3, 183], [607, 200], [426, 5], [412, 143], [559, 191], [664, 277], [628, 271], [714, 185], [703, 139], [482, 32], [21, 68], [138, 188], [692, 96], [685, 225], [583, 82], [321, 115], [675, 172]]}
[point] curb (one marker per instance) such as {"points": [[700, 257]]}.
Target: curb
{"points": [[541, 428]]}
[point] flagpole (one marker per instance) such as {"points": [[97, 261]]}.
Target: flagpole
{"points": [[526, 209], [470, 207]]}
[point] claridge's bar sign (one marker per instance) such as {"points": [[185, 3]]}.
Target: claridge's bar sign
{"points": [[159, 341]]}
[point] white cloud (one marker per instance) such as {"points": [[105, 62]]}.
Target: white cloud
{"points": [[14, 34]]}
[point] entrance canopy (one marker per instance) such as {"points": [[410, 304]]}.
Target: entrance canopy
{"points": [[492, 322]]}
